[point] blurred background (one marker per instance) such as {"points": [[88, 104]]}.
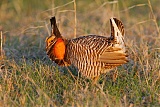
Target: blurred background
{"points": [[21, 16]]}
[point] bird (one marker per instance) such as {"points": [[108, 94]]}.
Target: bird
{"points": [[92, 55]]}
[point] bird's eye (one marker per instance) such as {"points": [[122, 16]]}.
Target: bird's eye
{"points": [[51, 41]]}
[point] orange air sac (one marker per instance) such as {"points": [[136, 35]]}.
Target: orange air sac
{"points": [[59, 49]]}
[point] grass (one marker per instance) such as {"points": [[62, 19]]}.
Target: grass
{"points": [[29, 78]]}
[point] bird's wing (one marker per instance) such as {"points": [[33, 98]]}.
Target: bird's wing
{"points": [[84, 52], [113, 56]]}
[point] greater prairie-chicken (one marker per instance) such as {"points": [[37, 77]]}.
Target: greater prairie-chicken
{"points": [[93, 54]]}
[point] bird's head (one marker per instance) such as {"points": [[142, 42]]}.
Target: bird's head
{"points": [[55, 45]]}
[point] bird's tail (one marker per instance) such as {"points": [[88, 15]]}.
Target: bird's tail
{"points": [[117, 33]]}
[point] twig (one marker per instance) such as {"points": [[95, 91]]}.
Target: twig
{"points": [[145, 21], [56, 7], [47, 29], [138, 5], [69, 71], [76, 80], [1, 54], [154, 18], [75, 19]]}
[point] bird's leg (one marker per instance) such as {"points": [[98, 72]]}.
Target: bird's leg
{"points": [[95, 85], [94, 80]]}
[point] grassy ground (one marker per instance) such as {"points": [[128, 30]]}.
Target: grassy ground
{"points": [[29, 78]]}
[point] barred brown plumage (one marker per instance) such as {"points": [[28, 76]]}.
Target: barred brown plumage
{"points": [[92, 54]]}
